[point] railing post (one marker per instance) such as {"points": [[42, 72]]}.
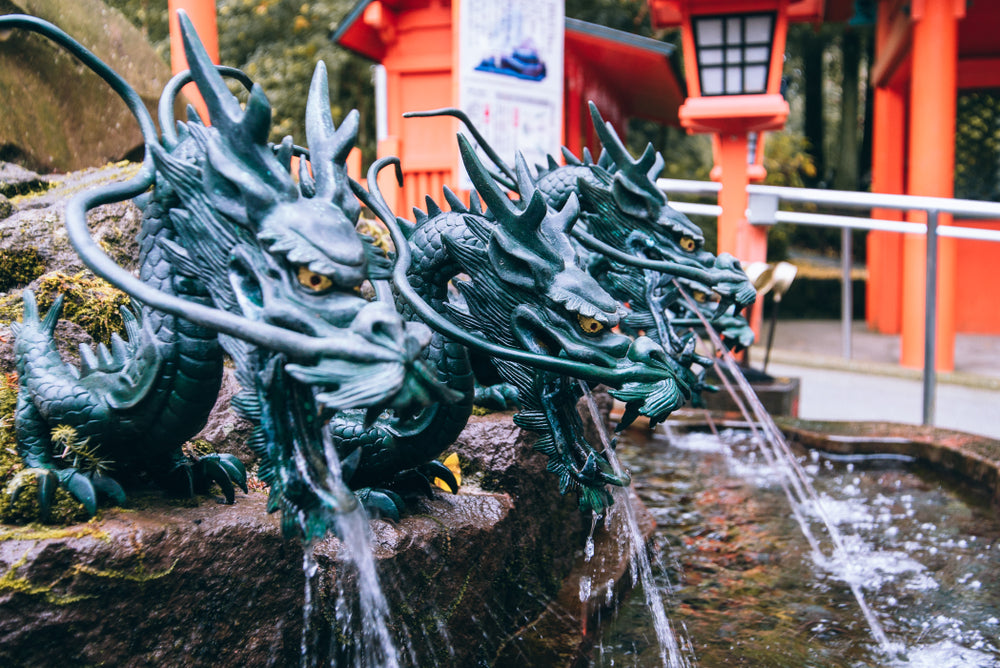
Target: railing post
{"points": [[846, 291], [930, 320]]}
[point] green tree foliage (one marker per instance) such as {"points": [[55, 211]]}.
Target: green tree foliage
{"points": [[277, 43], [977, 145], [628, 15]]}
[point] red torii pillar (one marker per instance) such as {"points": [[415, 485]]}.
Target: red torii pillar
{"points": [[885, 269], [933, 94], [202, 15]]}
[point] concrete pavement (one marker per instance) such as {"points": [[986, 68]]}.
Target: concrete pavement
{"points": [[872, 385]]}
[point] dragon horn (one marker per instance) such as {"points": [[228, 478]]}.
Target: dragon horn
{"points": [[326, 144], [497, 201], [566, 218], [245, 131], [223, 107], [525, 184], [336, 142], [636, 172]]}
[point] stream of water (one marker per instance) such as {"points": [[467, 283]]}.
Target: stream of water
{"points": [[751, 590], [622, 515], [362, 617]]}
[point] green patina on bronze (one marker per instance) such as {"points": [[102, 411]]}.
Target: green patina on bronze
{"points": [[638, 247], [352, 397]]}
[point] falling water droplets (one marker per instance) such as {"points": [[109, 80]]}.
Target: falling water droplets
{"points": [[622, 514], [585, 585]]}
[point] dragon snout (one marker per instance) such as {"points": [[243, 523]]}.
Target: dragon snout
{"points": [[381, 324], [645, 350]]}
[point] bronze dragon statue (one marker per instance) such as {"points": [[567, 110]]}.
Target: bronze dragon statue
{"points": [[350, 398], [639, 248], [236, 257], [527, 306]]}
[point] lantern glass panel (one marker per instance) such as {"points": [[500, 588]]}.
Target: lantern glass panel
{"points": [[757, 54], [733, 52], [710, 57], [734, 30], [758, 29], [755, 78], [711, 82], [710, 32], [734, 80]]}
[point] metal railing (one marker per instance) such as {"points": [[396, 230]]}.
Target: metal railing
{"points": [[763, 209]]}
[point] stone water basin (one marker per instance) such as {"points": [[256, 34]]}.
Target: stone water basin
{"points": [[742, 583]]}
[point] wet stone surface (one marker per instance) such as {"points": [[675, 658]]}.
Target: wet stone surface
{"points": [[162, 584]]}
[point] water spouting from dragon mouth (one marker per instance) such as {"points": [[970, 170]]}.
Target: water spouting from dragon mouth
{"points": [[362, 613], [794, 481], [622, 514]]}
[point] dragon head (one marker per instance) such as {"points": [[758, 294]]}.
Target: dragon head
{"points": [[526, 289], [628, 212], [285, 256]]}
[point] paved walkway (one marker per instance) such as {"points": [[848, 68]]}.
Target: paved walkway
{"points": [[872, 385]]}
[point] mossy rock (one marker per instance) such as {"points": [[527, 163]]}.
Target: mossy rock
{"points": [[88, 301], [26, 509], [57, 115], [19, 267]]}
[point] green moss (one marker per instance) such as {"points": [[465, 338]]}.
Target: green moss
{"points": [[19, 266], [10, 581], [24, 188], [137, 574], [10, 463], [65, 509], [38, 532], [90, 302]]}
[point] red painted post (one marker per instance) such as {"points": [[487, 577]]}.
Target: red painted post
{"points": [[933, 94], [202, 15]]}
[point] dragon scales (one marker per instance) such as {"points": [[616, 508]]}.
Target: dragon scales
{"points": [[639, 248], [239, 257]]}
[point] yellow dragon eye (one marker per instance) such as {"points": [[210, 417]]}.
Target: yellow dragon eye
{"points": [[310, 279], [700, 297], [589, 325], [688, 244]]}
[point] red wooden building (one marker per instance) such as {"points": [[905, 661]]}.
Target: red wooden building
{"points": [[416, 41], [926, 53]]}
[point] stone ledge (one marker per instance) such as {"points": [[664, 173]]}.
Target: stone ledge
{"points": [[217, 585]]}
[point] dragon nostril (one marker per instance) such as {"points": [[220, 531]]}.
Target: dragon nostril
{"points": [[379, 322], [645, 350]]}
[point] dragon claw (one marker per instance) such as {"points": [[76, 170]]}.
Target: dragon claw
{"points": [[84, 486], [414, 481], [499, 397], [195, 474], [109, 487], [47, 483], [80, 487], [435, 469], [234, 469], [383, 503], [225, 470]]}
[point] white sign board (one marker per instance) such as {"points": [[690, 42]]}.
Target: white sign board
{"points": [[510, 76]]}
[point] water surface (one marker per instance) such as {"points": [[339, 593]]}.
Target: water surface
{"points": [[749, 591]]}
